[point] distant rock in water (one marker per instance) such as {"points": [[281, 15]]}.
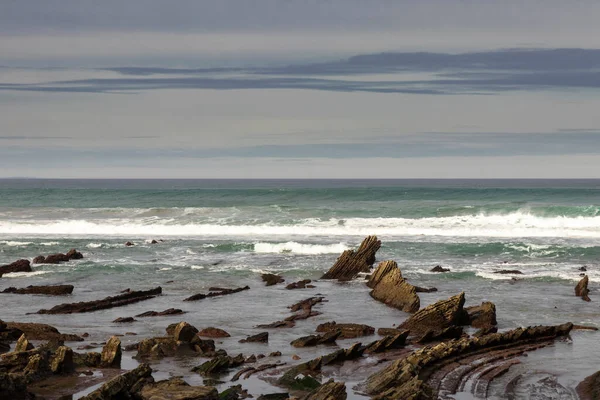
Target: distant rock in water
{"points": [[17, 266], [128, 244], [57, 290], [58, 257], [272, 279], [439, 268], [509, 272], [351, 262], [582, 290]]}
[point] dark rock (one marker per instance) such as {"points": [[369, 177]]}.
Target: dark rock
{"points": [[348, 331], [351, 262], [23, 344], [92, 359], [35, 331], [153, 241], [390, 288], [439, 268], [328, 391], [17, 266], [184, 332], [274, 396], [419, 289], [589, 388], [38, 260], [219, 365], [124, 386], [272, 279], [583, 269], [303, 284], [178, 389], [214, 292], [108, 302], [482, 316], [124, 319], [452, 332], [313, 340], [306, 304], [509, 272], [262, 337], [170, 311], [111, 353], [128, 244], [56, 290], [74, 255], [275, 354], [582, 290], [62, 363], [486, 331], [436, 317], [389, 331], [213, 333], [584, 328], [387, 343]]}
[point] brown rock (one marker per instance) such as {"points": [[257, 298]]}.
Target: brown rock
{"points": [[482, 316], [389, 331], [23, 344], [170, 311], [17, 266], [52, 290], [214, 292], [185, 332], [124, 320], [313, 340], [419, 289], [272, 279], [391, 342], [74, 255], [348, 331], [128, 244], [582, 290], [439, 268], [394, 290], [589, 388], [213, 333], [177, 389], [124, 386], [303, 284], [437, 316], [328, 391], [351, 262], [35, 331], [262, 337], [111, 353], [62, 363], [38, 260], [382, 270]]}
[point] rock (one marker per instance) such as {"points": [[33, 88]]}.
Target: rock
{"points": [[111, 353], [123, 386], [214, 292], [582, 290], [303, 284], [185, 332], [584, 328], [17, 266], [56, 290], [92, 359], [390, 288], [4, 347], [351, 262], [170, 311], [213, 333], [589, 388], [74, 255], [153, 241], [177, 389], [275, 354], [272, 279], [583, 269], [419, 289], [482, 316], [389, 331], [328, 391], [108, 302], [262, 337], [62, 363], [121, 320], [485, 331], [453, 361], [387, 343], [437, 316], [23, 344], [348, 331], [439, 268], [219, 365], [274, 396], [509, 272], [35, 331], [382, 270], [313, 340], [452, 332], [128, 244]]}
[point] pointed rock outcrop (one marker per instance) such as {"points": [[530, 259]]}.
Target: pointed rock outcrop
{"points": [[437, 316], [391, 288], [351, 262]]}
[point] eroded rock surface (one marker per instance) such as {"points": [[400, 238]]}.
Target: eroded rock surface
{"points": [[391, 288], [347, 331], [352, 262], [437, 316]]}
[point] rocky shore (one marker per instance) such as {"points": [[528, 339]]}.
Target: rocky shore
{"points": [[431, 352]]}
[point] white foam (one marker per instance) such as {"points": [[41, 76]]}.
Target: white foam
{"points": [[197, 267], [23, 274], [300, 248], [13, 243], [94, 245], [165, 269]]}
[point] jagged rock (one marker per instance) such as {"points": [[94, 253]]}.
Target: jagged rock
{"points": [[509, 272], [111, 353], [17, 266], [452, 332], [214, 292], [486, 331], [35, 331], [382, 270], [23, 344], [108, 302], [328, 391], [348, 331], [420, 374], [56, 290], [272, 279], [351, 262], [589, 388], [393, 290], [219, 365], [482, 316], [306, 304], [439, 268], [62, 363], [581, 290], [583, 269], [387, 343], [303, 284], [177, 389], [74, 255], [170, 311], [124, 386], [389, 331], [262, 337], [185, 332], [275, 354], [313, 340], [437, 316], [213, 333], [158, 347], [124, 319]]}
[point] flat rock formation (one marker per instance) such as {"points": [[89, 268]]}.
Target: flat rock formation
{"points": [[391, 288], [437, 316], [108, 302], [123, 386], [303, 284], [52, 290], [509, 272], [351, 262], [440, 370], [314, 340], [581, 290], [347, 331], [177, 389], [262, 337], [17, 266], [215, 292], [182, 339]]}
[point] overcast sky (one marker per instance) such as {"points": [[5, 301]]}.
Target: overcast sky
{"points": [[299, 89]]}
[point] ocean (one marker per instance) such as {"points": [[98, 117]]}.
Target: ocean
{"points": [[229, 232]]}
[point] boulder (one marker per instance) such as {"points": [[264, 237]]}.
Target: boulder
{"points": [[38, 260], [213, 333], [581, 290], [74, 255], [437, 316], [124, 386], [272, 279], [17, 266], [129, 244], [328, 391], [439, 268], [121, 320], [351, 262], [52, 290], [185, 332], [482, 316], [394, 290], [347, 331], [262, 337], [111, 353]]}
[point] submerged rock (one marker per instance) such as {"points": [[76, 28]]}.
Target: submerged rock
{"points": [[439, 268], [391, 288], [582, 290], [218, 365], [59, 257], [214, 292], [351, 262], [177, 389], [17, 266], [53, 290], [262, 337], [170, 311], [314, 340], [303, 284], [509, 272]]}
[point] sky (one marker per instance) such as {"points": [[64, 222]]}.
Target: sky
{"points": [[299, 89]]}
